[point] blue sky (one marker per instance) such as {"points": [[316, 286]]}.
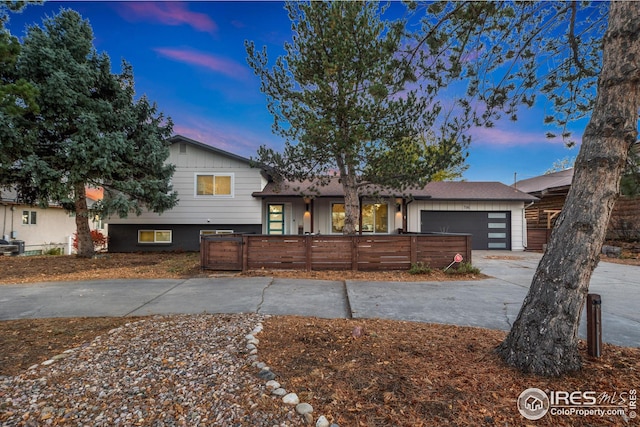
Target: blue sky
{"points": [[189, 58]]}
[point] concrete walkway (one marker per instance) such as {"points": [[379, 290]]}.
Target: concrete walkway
{"points": [[491, 303]]}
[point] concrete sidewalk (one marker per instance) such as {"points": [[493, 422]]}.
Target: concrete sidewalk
{"points": [[491, 303]]}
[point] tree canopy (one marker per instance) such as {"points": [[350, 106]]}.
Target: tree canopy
{"points": [[17, 96], [89, 130], [342, 98], [512, 54], [581, 59]]}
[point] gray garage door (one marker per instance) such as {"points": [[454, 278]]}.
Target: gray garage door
{"points": [[489, 230]]}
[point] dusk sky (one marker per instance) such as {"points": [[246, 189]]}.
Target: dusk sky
{"points": [[189, 58]]}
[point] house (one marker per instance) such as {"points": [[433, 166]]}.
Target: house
{"points": [[491, 211], [215, 196], [551, 190], [219, 192], [39, 229]]}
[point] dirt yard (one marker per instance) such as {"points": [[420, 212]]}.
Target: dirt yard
{"points": [[356, 372]]}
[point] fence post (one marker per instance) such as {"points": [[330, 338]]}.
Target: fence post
{"points": [[203, 252], [354, 253], [307, 250], [245, 252], [413, 256], [594, 325]]}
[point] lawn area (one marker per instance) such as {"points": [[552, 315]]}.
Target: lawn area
{"points": [[355, 372]]}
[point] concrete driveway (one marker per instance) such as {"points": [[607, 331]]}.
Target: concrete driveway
{"points": [[491, 303]]}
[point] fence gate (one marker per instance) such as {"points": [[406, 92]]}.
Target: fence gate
{"points": [[221, 253]]}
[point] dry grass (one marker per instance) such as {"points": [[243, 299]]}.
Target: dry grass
{"points": [[357, 373]]}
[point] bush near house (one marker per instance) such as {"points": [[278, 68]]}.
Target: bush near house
{"points": [[99, 240]]}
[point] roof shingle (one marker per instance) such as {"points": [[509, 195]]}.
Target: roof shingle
{"points": [[442, 190]]}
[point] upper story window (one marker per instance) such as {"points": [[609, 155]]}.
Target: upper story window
{"points": [[214, 185], [29, 217]]}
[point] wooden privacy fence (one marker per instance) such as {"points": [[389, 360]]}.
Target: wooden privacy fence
{"points": [[318, 252], [537, 238]]}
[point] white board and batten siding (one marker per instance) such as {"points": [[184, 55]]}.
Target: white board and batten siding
{"points": [[515, 207], [191, 160]]}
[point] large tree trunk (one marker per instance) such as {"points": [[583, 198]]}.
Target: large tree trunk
{"points": [[543, 339], [351, 205], [85, 243]]}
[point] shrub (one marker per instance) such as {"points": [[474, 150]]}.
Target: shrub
{"points": [[464, 268], [420, 268], [99, 240], [52, 249]]}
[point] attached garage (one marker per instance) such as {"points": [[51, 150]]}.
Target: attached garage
{"points": [[489, 229], [493, 213]]}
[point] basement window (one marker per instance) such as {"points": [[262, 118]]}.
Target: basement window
{"points": [[155, 236]]}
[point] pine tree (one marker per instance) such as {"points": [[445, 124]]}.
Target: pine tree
{"points": [[341, 98], [89, 131]]}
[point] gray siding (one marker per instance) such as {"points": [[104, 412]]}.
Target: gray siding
{"points": [[241, 208]]}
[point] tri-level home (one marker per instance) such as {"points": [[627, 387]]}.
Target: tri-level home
{"points": [[219, 192], [215, 190]]}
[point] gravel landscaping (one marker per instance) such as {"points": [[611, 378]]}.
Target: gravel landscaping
{"points": [[163, 371]]}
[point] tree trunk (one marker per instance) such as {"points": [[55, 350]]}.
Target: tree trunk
{"points": [[83, 232], [351, 205], [543, 339]]}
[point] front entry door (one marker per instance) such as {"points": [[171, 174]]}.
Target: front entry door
{"points": [[275, 219]]}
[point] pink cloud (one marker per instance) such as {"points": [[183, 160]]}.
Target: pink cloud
{"points": [[205, 60], [504, 137], [230, 137], [168, 13]]}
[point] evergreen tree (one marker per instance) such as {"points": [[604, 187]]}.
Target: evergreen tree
{"points": [[17, 96], [89, 130], [341, 98]]}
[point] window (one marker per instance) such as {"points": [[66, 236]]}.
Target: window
{"points": [[497, 235], [217, 185], [495, 215], [155, 236], [213, 232], [29, 217], [497, 225], [275, 221], [499, 245], [375, 218]]}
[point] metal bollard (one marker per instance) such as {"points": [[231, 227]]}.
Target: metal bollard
{"points": [[594, 325]]}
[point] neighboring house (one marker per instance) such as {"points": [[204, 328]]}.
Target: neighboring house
{"points": [[40, 229], [551, 190], [219, 192], [214, 191]]}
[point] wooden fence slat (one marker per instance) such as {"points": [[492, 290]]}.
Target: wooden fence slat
{"points": [[391, 252]]}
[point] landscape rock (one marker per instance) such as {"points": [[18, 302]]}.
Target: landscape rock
{"points": [[279, 392], [266, 374], [272, 385], [322, 421], [304, 408], [291, 399], [611, 251]]}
